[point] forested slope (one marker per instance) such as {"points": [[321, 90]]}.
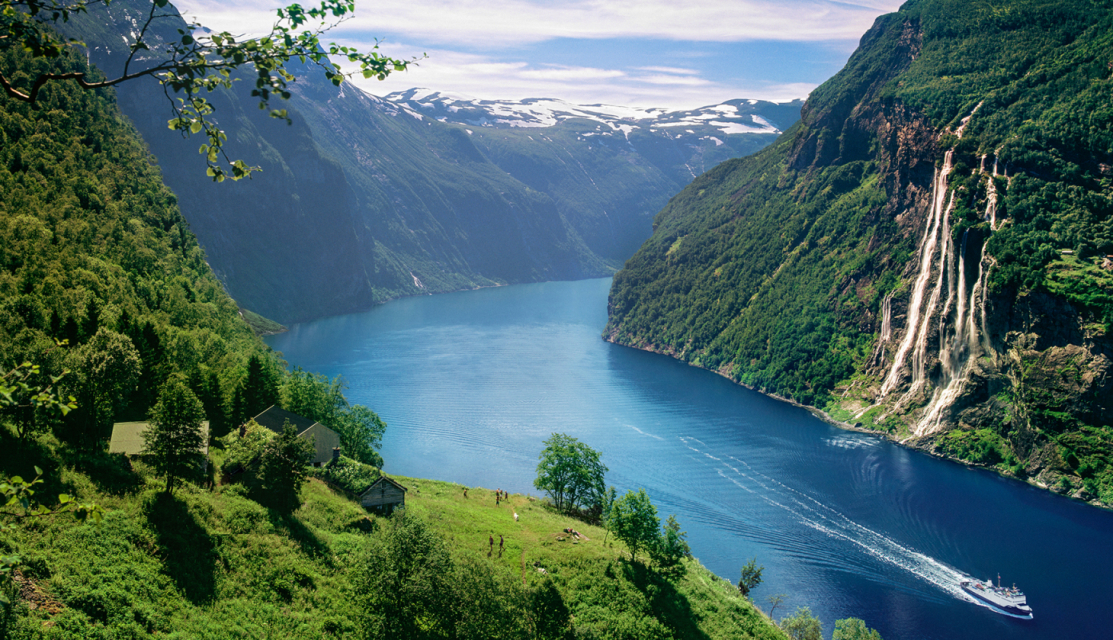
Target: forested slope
{"points": [[924, 253], [94, 251]]}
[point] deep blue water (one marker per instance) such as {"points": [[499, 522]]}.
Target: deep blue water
{"points": [[848, 524]]}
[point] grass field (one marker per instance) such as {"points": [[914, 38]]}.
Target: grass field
{"points": [[215, 564]]}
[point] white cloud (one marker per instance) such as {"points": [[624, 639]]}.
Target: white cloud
{"points": [[482, 47], [483, 23], [570, 73], [676, 70], [673, 80], [482, 77]]}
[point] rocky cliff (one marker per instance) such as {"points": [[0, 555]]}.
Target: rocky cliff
{"points": [[924, 253]]}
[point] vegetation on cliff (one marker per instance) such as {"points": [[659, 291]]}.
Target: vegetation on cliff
{"points": [[796, 270]]}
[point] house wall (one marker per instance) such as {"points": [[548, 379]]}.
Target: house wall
{"points": [[382, 495]]}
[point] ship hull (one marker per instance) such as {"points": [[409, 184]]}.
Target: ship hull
{"points": [[1006, 609]]}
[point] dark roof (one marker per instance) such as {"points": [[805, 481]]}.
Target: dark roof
{"points": [[381, 480], [274, 417]]}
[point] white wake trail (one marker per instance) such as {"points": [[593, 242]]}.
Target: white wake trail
{"points": [[820, 517]]}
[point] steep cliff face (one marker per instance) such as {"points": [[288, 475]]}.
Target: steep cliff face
{"points": [[923, 254]]}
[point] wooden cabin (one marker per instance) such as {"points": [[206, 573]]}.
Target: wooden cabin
{"points": [[384, 495]]}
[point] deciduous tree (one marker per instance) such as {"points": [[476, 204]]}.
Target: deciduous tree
{"points": [[174, 438], [634, 521], [571, 473], [671, 547], [854, 629], [802, 625], [282, 470], [751, 577], [105, 370]]}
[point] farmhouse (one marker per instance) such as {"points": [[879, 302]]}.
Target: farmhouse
{"points": [[324, 439], [127, 438], [385, 494]]}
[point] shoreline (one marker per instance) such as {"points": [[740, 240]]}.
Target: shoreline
{"points": [[430, 293], [907, 443]]}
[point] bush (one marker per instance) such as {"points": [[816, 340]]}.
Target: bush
{"points": [[347, 474]]}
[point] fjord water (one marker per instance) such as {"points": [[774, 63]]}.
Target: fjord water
{"points": [[846, 523]]}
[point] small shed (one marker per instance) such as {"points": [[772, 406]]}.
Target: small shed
{"points": [[324, 439], [384, 494]]}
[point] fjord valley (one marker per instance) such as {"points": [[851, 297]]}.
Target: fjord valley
{"points": [[112, 317], [925, 253], [920, 250], [108, 299]]}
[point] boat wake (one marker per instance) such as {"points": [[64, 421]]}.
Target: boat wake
{"points": [[820, 517]]}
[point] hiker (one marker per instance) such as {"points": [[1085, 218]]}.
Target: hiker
{"points": [[465, 492], [515, 516], [500, 543]]}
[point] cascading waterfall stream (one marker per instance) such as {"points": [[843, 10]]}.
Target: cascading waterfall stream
{"points": [[927, 251], [887, 319], [991, 199], [963, 334], [956, 348]]}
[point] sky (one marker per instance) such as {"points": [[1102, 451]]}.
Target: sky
{"points": [[671, 54]]}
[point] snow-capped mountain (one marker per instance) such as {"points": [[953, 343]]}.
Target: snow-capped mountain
{"points": [[728, 118]]}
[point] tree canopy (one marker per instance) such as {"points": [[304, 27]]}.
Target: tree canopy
{"points": [[750, 578], [853, 629], [571, 473], [282, 470], [634, 521], [191, 62], [174, 438]]}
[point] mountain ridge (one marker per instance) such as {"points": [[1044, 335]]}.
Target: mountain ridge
{"points": [[363, 200]]}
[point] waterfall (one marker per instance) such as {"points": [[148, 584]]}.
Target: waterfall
{"points": [[963, 334], [962, 319], [919, 355], [958, 349], [919, 287], [991, 199], [887, 319]]}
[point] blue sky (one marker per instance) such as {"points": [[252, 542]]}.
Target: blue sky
{"points": [[643, 53]]}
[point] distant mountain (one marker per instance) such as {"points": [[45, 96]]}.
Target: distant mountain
{"points": [[731, 117], [621, 162], [926, 253], [366, 199]]}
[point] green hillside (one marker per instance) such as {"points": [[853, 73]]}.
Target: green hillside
{"points": [[216, 564], [94, 251], [886, 263]]}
